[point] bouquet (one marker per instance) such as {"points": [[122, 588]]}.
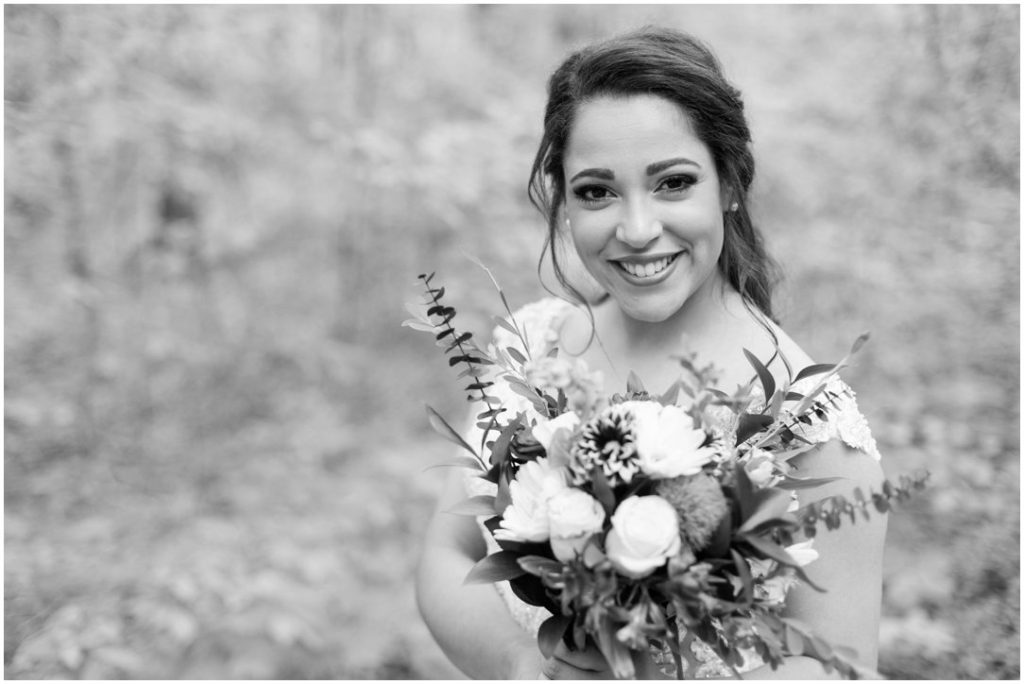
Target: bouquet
{"points": [[638, 522]]}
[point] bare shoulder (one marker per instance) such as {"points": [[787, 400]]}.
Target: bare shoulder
{"points": [[793, 352], [766, 340], [833, 459]]}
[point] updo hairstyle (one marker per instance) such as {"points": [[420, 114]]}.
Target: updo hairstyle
{"points": [[679, 68]]}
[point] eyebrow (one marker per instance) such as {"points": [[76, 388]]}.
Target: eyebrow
{"points": [[658, 167], [652, 169]]}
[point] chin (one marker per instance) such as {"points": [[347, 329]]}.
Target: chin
{"points": [[651, 312]]}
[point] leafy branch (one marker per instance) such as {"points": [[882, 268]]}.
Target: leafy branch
{"points": [[510, 323], [778, 637], [462, 350], [774, 399], [831, 509]]}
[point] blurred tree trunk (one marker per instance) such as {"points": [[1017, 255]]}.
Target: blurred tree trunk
{"points": [[83, 293], [355, 98]]}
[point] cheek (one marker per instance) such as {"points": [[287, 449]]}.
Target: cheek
{"points": [[588, 236], [703, 227]]}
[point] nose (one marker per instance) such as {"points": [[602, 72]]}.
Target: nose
{"points": [[639, 227]]}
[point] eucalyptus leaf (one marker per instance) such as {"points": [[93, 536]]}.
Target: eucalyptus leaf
{"points": [[459, 341], [539, 565], [816, 369], [747, 595], [744, 493], [504, 497], [749, 424], [769, 504], [634, 384], [524, 390], [859, 342], [516, 354], [821, 647], [442, 427], [416, 310], [766, 378], [416, 324], [776, 404], [671, 394], [474, 506], [500, 449], [503, 323], [769, 549], [496, 567], [795, 483]]}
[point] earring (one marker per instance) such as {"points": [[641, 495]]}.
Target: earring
{"points": [[734, 206]]}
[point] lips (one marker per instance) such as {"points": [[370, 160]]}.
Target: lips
{"points": [[646, 268]]}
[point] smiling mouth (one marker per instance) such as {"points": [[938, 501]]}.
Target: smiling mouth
{"points": [[648, 269]]}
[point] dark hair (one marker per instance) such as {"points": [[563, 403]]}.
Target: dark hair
{"points": [[678, 67]]}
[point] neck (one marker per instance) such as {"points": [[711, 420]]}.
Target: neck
{"points": [[699, 314]]}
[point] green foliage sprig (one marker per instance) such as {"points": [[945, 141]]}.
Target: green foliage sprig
{"points": [[468, 353], [712, 590], [462, 350], [831, 509]]}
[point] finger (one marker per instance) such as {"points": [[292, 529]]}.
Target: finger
{"points": [[559, 669], [589, 658]]}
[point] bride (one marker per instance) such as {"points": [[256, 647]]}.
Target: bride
{"points": [[644, 166]]}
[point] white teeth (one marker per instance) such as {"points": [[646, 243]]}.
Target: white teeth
{"points": [[649, 269]]}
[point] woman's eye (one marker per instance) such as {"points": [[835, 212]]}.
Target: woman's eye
{"points": [[592, 194], [677, 183]]}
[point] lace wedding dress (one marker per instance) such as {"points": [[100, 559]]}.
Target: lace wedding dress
{"points": [[542, 322]]}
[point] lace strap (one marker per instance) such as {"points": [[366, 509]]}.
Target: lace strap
{"points": [[843, 421]]}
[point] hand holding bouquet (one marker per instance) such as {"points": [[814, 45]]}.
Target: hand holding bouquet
{"points": [[640, 520]]}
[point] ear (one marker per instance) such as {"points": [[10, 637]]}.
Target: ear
{"points": [[727, 198]]}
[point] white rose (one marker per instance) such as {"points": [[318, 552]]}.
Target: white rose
{"points": [[644, 534], [574, 516], [544, 431], [667, 443], [526, 518]]}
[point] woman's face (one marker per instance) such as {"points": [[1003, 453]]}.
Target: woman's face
{"points": [[644, 204]]}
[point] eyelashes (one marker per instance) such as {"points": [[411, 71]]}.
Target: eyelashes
{"points": [[673, 186], [592, 194], [678, 182]]}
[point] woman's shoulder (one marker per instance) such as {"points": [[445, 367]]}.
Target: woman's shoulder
{"points": [[839, 412], [836, 414]]}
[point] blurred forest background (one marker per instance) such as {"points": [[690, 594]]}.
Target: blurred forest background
{"points": [[215, 440]]}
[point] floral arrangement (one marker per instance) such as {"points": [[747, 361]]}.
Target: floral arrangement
{"points": [[636, 521]]}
